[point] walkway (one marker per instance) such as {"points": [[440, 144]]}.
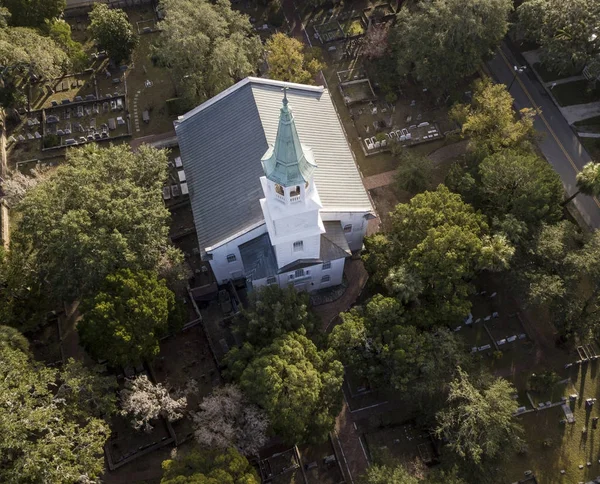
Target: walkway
{"points": [[577, 112], [357, 276], [440, 155]]}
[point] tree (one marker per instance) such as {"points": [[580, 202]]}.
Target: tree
{"points": [[226, 419], [110, 27], [522, 185], [490, 122], [60, 31], [18, 184], [49, 429], [124, 321], [273, 312], [209, 467], [26, 56], [290, 61], [379, 344], [414, 170], [566, 30], [33, 13], [375, 42], [443, 41], [297, 385], [443, 243], [377, 474], [145, 401], [207, 45], [588, 181], [99, 212], [478, 423]]}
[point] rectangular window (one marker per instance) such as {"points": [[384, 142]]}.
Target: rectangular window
{"points": [[326, 265], [271, 280], [231, 258], [299, 273], [298, 246], [326, 278], [347, 228]]}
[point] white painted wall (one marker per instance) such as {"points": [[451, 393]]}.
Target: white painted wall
{"points": [[313, 280], [311, 247], [224, 270], [358, 222]]}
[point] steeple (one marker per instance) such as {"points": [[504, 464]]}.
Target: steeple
{"points": [[288, 162]]}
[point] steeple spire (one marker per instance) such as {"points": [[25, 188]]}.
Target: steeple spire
{"points": [[288, 162]]}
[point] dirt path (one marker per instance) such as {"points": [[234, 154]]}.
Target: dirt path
{"points": [[349, 438], [445, 153]]}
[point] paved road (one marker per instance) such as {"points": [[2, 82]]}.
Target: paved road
{"points": [[559, 144]]}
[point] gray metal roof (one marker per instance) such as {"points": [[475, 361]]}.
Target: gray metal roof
{"points": [[259, 258], [223, 140]]}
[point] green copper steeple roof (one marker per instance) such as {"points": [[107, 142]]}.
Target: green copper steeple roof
{"points": [[288, 162]]}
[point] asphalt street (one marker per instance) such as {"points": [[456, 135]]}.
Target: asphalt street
{"points": [[557, 141]]}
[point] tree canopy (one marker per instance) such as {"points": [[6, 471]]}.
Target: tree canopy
{"points": [[207, 45], [125, 319], [209, 467], [490, 122], [478, 422], [111, 28], [588, 181], [33, 13], [296, 384], [273, 312], [50, 419], [522, 185], [440, 42], [439, 243], [567, 30], [414, 171], [379, 344], [382, 474], [99, 212], [290, 61]]}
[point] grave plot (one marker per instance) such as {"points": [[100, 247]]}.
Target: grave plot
{"points": [[544, 397], [402, 443], [281, 468], [356, 91], [329, 31], [53, 93], [320, 464]]}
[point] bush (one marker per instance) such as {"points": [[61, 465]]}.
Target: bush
{"points": [[176, 106], [51, 140]]}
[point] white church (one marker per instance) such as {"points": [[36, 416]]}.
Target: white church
{"points": [[275, 191]]}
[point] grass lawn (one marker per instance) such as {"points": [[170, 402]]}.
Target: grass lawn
{"points": [[592, 145], [589, 124], [554, 446], [149, 98], [548, 75], [576, 92]]}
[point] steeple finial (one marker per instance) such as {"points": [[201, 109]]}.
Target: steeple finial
{"points": [[285, 99]]}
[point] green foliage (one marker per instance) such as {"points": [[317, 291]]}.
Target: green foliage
{"points": [[209, 467], [522, 185], [207, 45], [176, 106], [443, 41], [51, 140], [60, 32], [287, 61], [414, 170], [274, 312], [442, 242], [478, 423], [542, 382], [125, 320], [588, 181], [297, 385], [490, 121], [99, 212], [33, 13], [110, 27], [378, 344], [25, 52], [388, 475], [48, 422], [564, 29]]}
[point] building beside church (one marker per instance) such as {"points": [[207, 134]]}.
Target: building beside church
{"points": [[275, 191]]}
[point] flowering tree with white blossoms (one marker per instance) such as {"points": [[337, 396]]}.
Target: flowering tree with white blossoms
{"points": [[227, 419], [145, 401]]}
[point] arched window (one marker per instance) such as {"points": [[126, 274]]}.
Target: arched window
{"points": [[279, 189], [295, 192]]}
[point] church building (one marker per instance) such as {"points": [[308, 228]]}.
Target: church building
{"points": [[275, 191]]}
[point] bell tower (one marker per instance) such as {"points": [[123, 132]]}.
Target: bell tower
{"points": [[291, 204]]}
